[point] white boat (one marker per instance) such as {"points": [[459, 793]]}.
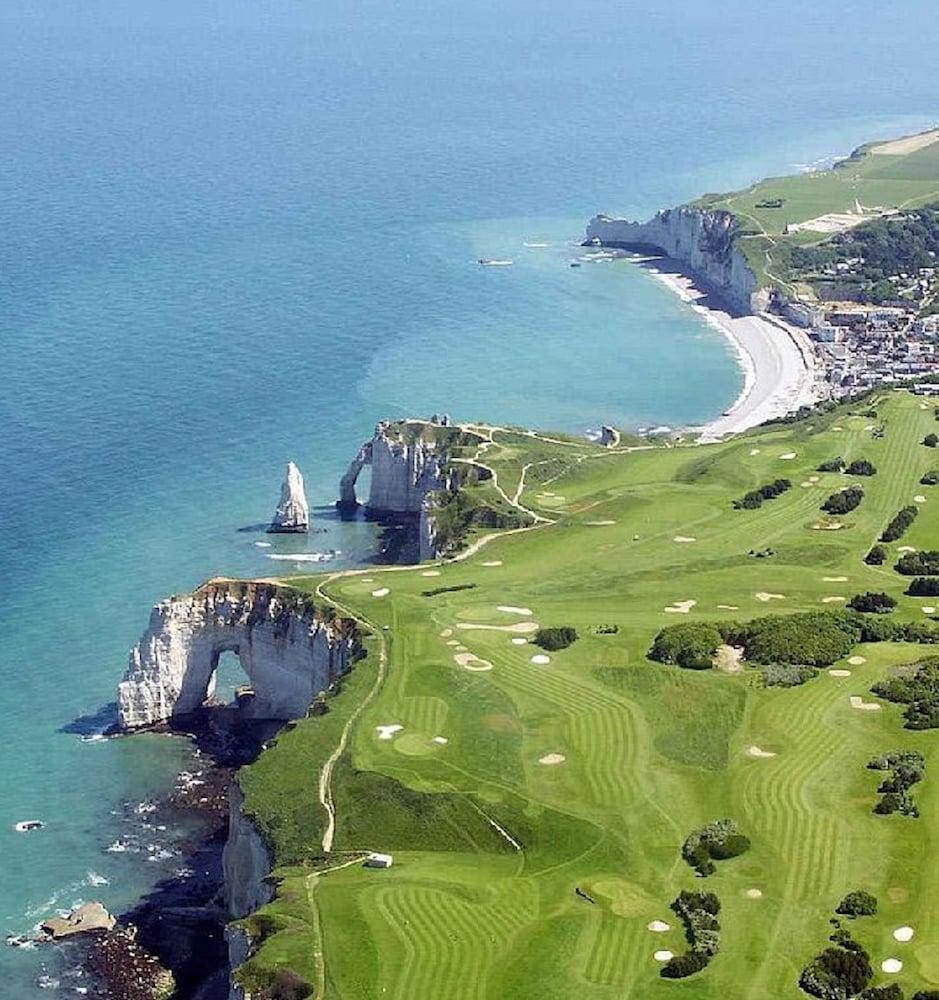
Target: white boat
{"points": [[489, 262]]}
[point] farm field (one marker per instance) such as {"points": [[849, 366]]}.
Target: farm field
{"points": [[536, 802]]}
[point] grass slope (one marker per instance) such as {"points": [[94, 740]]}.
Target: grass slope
{"points": [[651, 752]]}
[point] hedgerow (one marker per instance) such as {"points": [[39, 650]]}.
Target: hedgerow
{"points": [[901, 521]]}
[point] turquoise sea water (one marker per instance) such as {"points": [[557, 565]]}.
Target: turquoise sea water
{"points": [[236, 233]]}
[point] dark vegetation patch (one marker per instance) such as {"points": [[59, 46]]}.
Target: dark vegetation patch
{"points": [[924, 563], [844, 501], [433, 592], [917, 687], [755, 498], [457, 512], [832, 465], [717, 841], [873, 603], [555, 638], [690, 645], [861, 467], [898, 526], [698, 912], [931, 478], [606, 629], [877, 556], [907, 767], [787, 674], [931, 440], [843, 971], [924, 586]]}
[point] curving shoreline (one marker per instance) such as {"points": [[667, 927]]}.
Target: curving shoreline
{"points": [[780, 369]]}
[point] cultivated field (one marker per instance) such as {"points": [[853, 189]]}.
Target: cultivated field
{"points": [[536, 810]]}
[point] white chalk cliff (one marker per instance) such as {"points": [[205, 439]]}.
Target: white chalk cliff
{"points": [[289, 650], [700, 238], [293, 511], [405, 468]]}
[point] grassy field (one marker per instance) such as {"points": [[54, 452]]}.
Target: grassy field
{"points": [[873, 179], [512, 784]]}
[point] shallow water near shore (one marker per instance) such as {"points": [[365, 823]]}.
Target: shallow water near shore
{"points": [[238, 234]]}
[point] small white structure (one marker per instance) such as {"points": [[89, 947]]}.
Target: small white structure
{"points": [[379, 861]]}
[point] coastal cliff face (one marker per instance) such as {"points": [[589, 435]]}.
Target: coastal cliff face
{"points": [[405, 468], [289, 651], [701, 239], [246, 863]]}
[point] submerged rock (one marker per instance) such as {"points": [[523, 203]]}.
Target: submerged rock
{"points": [[293, 512]]}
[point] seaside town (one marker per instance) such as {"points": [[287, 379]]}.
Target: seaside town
{"points": [[863, 346]]}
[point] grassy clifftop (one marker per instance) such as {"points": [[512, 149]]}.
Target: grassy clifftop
{"points": [[536, 801]]}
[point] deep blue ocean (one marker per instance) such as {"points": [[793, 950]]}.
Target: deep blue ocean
{"points": [[233, 233]]}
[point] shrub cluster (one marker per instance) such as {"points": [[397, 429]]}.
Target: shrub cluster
{"points": [[698, 912], [897, 527], [770, 491], [931, 440], [919, 563], [717, 841], [877, 556], [814, 638], [861, 467], [857, 903], [837, 973], [844, 500], [434, 591], [787, 674], [832, 465], [555, 638], [917, 687], [931, 478], [908, 767], [689, 645], [873, 603]]}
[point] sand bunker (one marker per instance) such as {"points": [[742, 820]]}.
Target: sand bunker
{"points": [[453, 642], [788, 456], [919, 498], [839, 673], [598, 524], [386, 732], [907, 548], [431, 572], [728, 607], [927, 610], [492, 562], [754, 451], [540, 658], [663, 956], [728, 658], [833, 600], [828, 526], [681, 607], [864, 706], [684, 538], [658, 926], [446, 633], [523, 628], [814, 479], [470, 661], [904, 933], [519, 642], [552, 758], [806, 484], [754, 894], [835, 579], [754, 751], [510, 609], [856, 661], [442, 740], [837, 428], [891, 965], [381, 592], [763, 596]]}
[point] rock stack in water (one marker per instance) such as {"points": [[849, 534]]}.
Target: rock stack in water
{"points": [[293, 512]]}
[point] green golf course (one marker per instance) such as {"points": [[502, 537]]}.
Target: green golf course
{"points": [[536, 799]]}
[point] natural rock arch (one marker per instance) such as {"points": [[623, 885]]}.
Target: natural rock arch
{"points": [[287, 648]]}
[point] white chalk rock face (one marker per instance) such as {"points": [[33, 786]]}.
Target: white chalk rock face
{"points": [[405, 468], [293, 512], [289, 651], [700, 238]]}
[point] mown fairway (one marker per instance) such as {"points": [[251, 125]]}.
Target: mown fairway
{"points": [[649, 751]]}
